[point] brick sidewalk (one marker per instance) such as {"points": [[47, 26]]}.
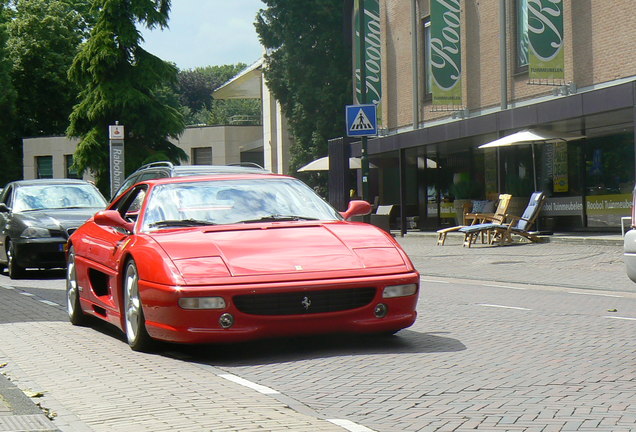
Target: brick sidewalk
{"points": [[200, 394], [594, 263], [93, 381]]}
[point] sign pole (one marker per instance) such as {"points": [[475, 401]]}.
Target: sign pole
{"points": [[116, 150], [363, 100]]}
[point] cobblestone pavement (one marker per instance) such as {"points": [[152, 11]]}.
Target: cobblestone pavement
{"points": [[489, 352], [582, 262], [91, 372]]}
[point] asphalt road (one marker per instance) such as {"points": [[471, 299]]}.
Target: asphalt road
{"points": [[531, 337]]}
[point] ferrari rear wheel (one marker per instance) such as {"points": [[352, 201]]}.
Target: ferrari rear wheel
{"points": [[15, 271], [136, 332], [75, 314]]}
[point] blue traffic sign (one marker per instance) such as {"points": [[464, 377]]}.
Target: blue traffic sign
{"points": [[362, 120]]}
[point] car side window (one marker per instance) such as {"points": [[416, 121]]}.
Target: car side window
{"points": [[130, 205], [6, 196], [152, 175]]}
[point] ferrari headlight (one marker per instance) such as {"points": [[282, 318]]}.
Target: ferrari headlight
{"points": [[202, 303], [35, 232], [399, 291]]}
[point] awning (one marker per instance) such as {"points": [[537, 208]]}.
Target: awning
{"points": [[322, 164], [532, 136]]}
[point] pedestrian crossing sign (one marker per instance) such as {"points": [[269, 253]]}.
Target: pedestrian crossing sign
{"points": [[362, 120]]}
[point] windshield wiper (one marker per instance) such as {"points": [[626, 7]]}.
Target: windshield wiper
{"points": [[180, 223], [278, 218]]}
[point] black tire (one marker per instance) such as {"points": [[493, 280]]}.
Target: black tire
{"points": [[75, 314], [15, 271], [135, 322]]}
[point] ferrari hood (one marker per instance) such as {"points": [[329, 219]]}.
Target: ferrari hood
{"points": [[280, 249]]}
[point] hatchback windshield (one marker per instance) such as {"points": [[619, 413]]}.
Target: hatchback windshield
{"points": [[234, 201], [57, 196]]}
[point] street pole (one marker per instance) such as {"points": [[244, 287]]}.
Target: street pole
{"points": [[363, 100], [116, 156]]}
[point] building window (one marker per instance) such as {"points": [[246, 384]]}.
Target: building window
{"points": [[521, 36], [70, 171], [428, 73], [44, 166], [202, 156]]}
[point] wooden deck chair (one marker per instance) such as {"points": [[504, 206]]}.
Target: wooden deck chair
{"points": [[502, 232], [479, 218]]}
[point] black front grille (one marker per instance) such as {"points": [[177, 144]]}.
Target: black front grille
{"points": [[304, 302]]}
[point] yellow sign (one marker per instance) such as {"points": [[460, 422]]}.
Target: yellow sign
{"points": [[609, 204], [560, 168]]}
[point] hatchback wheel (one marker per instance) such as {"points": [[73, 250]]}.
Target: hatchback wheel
{"points": [[13, 268], [136, 332]]}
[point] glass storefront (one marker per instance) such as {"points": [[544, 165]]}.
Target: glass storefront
{"points": [[588, 182]]}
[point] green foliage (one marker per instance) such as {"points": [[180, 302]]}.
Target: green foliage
{"points": [[308, 69], [242, 111], [122, 82], [44, 37], [8, 143], [466, 189], [196, 85]]}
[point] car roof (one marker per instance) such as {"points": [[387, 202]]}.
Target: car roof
{"points": [[186, 170], [52, 181], [217, 176]]}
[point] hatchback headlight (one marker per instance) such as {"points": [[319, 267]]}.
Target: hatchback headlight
{"points": [[399, 290], [202, 303], [35, 232]]}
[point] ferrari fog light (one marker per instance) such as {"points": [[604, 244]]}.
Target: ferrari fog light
{"points": [[380, 310], [226, 320], [202, 303], [399, 291]]}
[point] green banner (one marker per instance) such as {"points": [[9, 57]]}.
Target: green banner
{"points": [[446, 60], [372, 52], [545, 35]]}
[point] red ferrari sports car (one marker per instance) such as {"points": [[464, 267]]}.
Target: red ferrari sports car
{"points": [[234, 257]]}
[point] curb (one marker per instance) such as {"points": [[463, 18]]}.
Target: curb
{"points": [[18, 412]]}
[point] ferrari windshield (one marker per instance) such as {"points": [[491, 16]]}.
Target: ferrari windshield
{"points": [[57, 196], [234, 201]]}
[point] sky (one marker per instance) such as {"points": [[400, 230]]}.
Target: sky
{"points": [[207, 33]]}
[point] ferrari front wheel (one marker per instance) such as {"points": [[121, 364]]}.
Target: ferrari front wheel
{"points": [[75, 314], [136, 332]]}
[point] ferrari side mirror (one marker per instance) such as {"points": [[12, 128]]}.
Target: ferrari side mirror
{"points": [[112, 218], [357, 208]]}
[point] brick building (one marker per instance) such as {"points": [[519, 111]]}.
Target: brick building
{"points": [[425, 151]]}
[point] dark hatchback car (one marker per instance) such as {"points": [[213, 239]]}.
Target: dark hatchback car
{"points": [[38, 216], [165, 169]]}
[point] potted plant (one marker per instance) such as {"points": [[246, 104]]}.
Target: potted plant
{"points": [[464, 190]]}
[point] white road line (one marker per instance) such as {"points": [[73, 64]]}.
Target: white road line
{"points": [[595, 294], [434, 281], [238, 380], [7, 287], [621, 318], [349, 425], [505, 286], [50, 303], [24, 293], [503, 307]]}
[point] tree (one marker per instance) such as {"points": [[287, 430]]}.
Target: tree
{"points": [[7, 106], [122, 82], [308, 69], [222, 111], [44, 38], [195, 89]]}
